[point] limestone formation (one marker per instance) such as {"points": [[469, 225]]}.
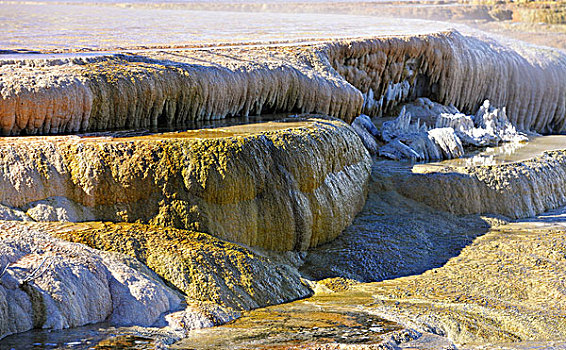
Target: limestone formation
{"points": [[339, 78], [46, 282], [169, 89], [285, 185], [507, 286], [392, 236], [488, 127], [478, 289], [414, 141], [427, 111], [457, 70], [366, 130], [401, 126]]}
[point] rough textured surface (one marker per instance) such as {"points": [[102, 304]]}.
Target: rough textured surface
{"points": [[255, 184], [457, 70], [339, 78], [71, 95], [515, 190], [391, 237], [504, 284], [51, 283], [205, 268], [476, 296], [321, 322], [442, 134]]}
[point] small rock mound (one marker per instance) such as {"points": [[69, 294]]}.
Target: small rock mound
{"points": [[205, 268]]}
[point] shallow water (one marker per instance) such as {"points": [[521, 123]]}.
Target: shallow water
{"points": [[52, 25], [197, 128], [97, 336], [506, 153]]}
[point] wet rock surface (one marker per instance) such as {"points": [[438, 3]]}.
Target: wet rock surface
{"points": [[471, 300], [320, 322], [375, 247], [475, 297], [285, 186]]}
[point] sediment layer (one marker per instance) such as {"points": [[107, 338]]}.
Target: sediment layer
{"points": [[280, 186], [516, 190], [340, 78]]}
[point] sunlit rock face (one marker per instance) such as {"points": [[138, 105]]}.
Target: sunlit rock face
{"points": [[341, 78], [507, 286], [281, 186], [131, 91], [49, 283]]}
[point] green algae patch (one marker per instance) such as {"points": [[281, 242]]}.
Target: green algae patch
{"points": [[203, 267]]}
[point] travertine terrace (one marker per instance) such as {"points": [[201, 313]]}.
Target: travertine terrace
{"points": [[516, 190], [286, 185], [268, 192], [341, 78]]}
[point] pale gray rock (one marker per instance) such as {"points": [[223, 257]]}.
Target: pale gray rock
{"points": [[452, 132], [58, 209], [427, 111], [397, 150], [447, 142], [134, 287], [488, 127], [495, 122], [12, 214], [368, 124], [365, 135], [53, 284], [414, 141], [401, 126], [423, 145], [466, 130], [199, 315]]}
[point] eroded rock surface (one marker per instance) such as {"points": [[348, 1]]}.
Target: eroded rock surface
{"points": [[340, 78]]}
